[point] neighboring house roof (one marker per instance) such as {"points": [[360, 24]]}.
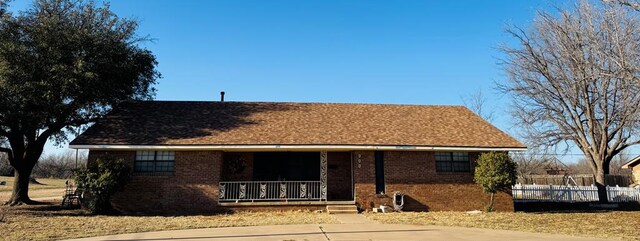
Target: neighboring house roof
{"points": [[630, 164], [270, 123]]}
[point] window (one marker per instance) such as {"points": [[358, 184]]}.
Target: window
{"points": [[160, 162], [452, 162]]}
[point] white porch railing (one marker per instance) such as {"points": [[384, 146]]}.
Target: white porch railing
{"points": [[623, 194], [554, 193], [242, 191]]}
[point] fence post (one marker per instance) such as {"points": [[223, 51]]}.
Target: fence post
{"points": [[570, 193]]}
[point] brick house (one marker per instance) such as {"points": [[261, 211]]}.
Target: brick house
{"points": [[634, 166], [203, 156]]}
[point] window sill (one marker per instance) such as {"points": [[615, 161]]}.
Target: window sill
{"points": [[153, 174]]}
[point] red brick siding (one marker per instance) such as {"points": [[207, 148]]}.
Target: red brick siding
{"points": [[193, 187], [414, 174], [364, 176]]}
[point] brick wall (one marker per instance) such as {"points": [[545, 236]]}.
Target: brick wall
{"points": [[364, 176], [414, 174], [193, 187]]}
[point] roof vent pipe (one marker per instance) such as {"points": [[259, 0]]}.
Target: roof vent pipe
{"points": [[221, 96]]}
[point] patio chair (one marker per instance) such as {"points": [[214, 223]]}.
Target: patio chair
{"points": [[72, 196]]}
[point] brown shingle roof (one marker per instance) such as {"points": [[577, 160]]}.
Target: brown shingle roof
{"points": [[267, 123]]}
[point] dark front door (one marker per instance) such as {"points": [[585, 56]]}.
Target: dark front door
{"points": [[339, 183]]}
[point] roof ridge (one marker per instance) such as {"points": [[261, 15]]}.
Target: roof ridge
{"points": [[292, 102]]}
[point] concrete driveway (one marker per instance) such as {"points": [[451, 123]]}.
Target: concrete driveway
{"points": [[363, 231]]}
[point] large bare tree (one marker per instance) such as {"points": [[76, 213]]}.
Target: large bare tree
{"points": [[574, 78]]}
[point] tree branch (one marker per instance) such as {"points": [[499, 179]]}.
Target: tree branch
{"points": [[629, 3]]}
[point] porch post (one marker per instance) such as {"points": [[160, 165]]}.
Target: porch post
{"points": [[323, 175]]}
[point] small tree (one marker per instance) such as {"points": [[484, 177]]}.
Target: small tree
{"points": [[100, 181], [495, 172]]}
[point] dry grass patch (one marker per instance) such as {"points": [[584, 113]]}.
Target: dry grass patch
{"points": [[49, 222], [47, 183], [38, 193], [618, 225], [49, 187]]}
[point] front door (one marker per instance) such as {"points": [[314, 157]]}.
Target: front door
{"points": [[339, 183]]}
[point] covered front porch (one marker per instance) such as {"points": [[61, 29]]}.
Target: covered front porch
{"points": [[273, 178]]}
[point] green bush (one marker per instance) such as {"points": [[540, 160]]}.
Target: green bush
{"points": [[100, 181], [495, 172]]}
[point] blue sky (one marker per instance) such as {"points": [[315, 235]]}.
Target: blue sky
{"points": [[404, 52]]}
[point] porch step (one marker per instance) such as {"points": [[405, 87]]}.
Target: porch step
{"points": [[341, 209]]}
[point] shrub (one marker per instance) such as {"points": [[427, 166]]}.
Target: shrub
{"points": [[495, 172], [100, 181]]}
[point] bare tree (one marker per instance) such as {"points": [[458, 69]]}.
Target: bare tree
{"points": [[575, 79], [59, 165], [477, 102], [635, 5], [530, 163], [581, 166], [618, 161]]}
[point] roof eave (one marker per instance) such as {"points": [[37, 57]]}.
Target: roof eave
{"points": [[294, 147], [633, 162]]}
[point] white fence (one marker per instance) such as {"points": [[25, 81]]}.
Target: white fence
{"points": [[561, 193], [623, 194], [554, 193]]}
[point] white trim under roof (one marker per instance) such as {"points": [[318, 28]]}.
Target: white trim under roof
{"points": [[629, 163], [239, 148]]}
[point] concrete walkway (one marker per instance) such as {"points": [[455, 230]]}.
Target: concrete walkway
{"points": [[369, 231]]}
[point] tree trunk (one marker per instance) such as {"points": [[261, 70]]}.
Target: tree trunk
{"points": [[20, 193], [490, 208], [601, 184]]}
